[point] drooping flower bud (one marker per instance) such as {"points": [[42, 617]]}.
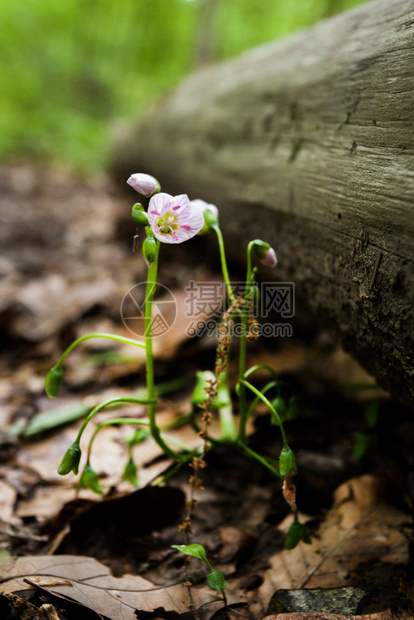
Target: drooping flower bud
{"points": [[265, 253], [144, 184], [53, 381], [210, 214], [139, 215], [131, 472], [149, 250], [89, 480], [296, 533], [70, 461], [287, 462], [270, 258]]}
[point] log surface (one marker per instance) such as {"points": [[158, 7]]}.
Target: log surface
{"points": [[309, 144]]}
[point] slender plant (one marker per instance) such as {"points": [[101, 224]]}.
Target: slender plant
{"points": [[175, 219]]}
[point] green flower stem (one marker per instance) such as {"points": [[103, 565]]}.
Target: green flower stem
{"points": [[224, 269], [107, 403], [243, 352], [98, 335], [140, 423], [269, 404], [152, 404], [244, 448], [266, 388], [228, 426], [260, 367]]}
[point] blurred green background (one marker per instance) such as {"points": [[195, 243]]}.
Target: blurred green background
{"points": [[71, 70]]}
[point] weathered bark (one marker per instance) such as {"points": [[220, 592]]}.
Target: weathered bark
{"points": [[308, 143]]}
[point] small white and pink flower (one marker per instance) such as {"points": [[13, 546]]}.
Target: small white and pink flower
{"points": [[144, 184], [173, 219]]}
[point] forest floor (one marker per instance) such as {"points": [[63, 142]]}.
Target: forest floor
{"points": [[65, 268]]}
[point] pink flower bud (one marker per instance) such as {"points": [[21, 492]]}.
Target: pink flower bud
{"points": [[264, 252], [144, 184], [269, 259]]}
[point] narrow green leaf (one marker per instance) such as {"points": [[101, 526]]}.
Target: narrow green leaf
{"points": [[53, 418]]}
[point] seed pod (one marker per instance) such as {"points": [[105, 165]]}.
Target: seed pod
{"points": [[70, 461], [139, 215], [53, 381], [149, 250], [287, 462]]}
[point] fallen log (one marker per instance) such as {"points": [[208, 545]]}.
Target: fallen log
{"points": [[309, 144]]}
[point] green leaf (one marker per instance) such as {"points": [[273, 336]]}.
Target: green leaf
{"points": [[195, 550], [296, 533], [216, 580], [89, 480], [53, 418], [279, 404], [131, 472], [138, 437]]}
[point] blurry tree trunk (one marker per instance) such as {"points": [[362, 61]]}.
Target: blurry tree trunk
{"points": [[309, 144]]}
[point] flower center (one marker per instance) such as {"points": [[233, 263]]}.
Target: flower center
{"points": [[166, 224]]}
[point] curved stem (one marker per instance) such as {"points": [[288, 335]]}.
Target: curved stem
{"points": [[269, 404], [107, 403], [224, 263], [243, 351], [152, 404], [133, 421], [266, 388], [260, 367], [98, 335], [244, 448]]}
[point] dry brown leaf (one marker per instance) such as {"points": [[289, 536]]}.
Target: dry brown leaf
{"points": [[8, 496], [51, 303], [92, 585], [167, 345], [363, 525], [321, 615], [49, 583]]}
